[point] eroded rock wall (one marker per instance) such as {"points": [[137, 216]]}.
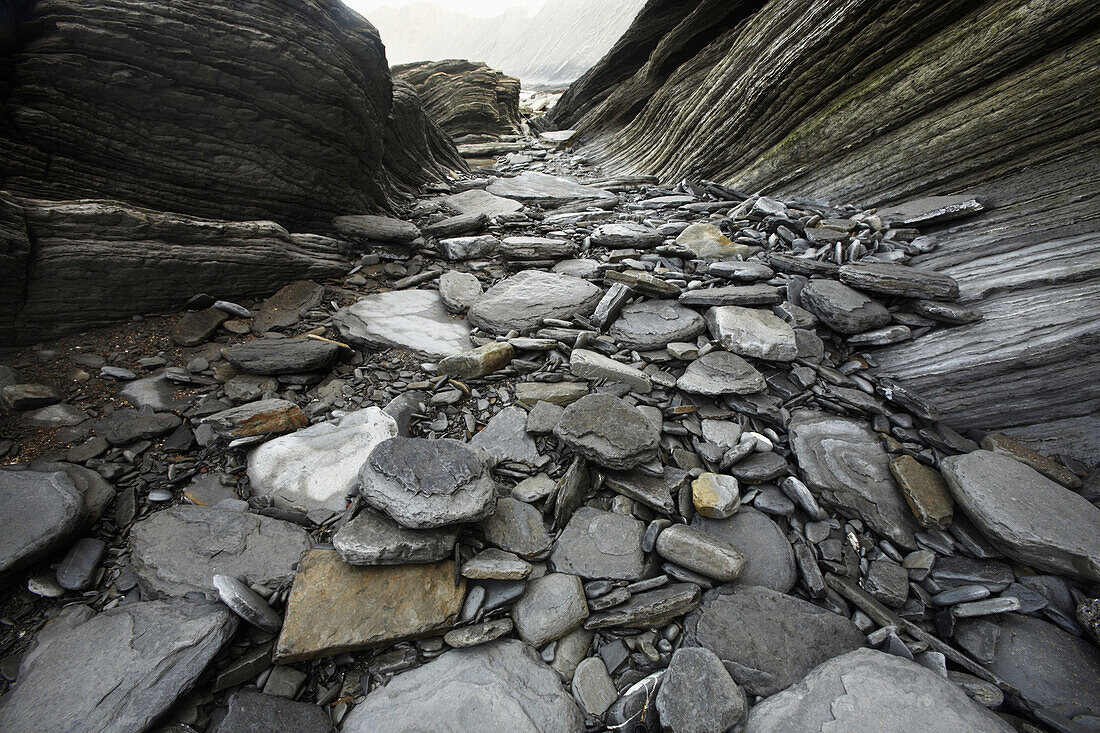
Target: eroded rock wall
{"points": [[873, 102], [466, 98], [254, 109], [99, 262]]}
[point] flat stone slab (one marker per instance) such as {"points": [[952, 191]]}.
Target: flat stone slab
{"points": [[423, 484], [179, 550], [256, 711], [287, 306], [372, 538], [44, 504], [903, 280], [842, 460], [415, 320], [649, 610], [531, 187], [768, 640], [765, 546], [654, 491], [517, 527], [458, 291], [335, 607], [501, 686], [719, 373], [868, 690], [609, 431], [376, 228], [1053, 669], [698, 694], [626, 235], [930, 210], [282, 356], [118, 671], [753, 333], [600, 545], [746, 295], [505, 438], [591, 365], [316, 467], [654, 324], [1031, 518], [523, 300], [842, 308], [478, 201]]}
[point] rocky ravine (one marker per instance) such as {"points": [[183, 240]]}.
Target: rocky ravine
{"points": [[872, 103], [554, 454], [208, 136]]}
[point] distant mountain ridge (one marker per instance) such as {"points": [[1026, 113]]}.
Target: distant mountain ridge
{"points": [[555, 45]]}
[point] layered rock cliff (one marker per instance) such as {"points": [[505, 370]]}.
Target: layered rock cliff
{"points": [[258, 109], [190, 124], [466, 98], [872, 102]]}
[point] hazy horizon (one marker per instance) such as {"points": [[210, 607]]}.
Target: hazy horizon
{"points": [[478, 8]]}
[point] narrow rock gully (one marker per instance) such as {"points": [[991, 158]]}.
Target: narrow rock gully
{"points": [[558, 451]]}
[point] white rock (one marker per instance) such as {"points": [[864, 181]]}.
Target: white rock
{"points": [[407, 319], [316, 467]]}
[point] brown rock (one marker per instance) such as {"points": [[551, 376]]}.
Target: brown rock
{"points": [[925, 491], [335, 607], [1006, 446], [266, 417]]}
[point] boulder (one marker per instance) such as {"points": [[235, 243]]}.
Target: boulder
{"points": [[871, 690], [501, 686], [1031, 518], [120, 670], [768, 640], [523, 300], [423, 484]]}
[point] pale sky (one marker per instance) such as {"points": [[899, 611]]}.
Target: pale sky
{"points": [[484, 8]]}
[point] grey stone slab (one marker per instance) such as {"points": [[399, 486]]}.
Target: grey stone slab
{"points": [[753, 333], [550, 608], [498, 688], [597, 544], [867, 690], [372, 538], [505, 438], [842, 460], [258, 712], [654, 324], [119, 671], [523, 300], [458, 291], [1031, 518], [768, 640], [478, 201], [609, 431], [698, 695], [532, 187], [517, 527], [282, 356], [179, 550], [842, 308], [414, 320], [719, 373]]}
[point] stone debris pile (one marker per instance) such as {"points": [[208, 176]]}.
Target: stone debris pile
{"points": [[558, 453]]}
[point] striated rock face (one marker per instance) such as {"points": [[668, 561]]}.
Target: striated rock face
{"points": [[98, 262], [416, 147], [465, 97], [874, 103], [258, 109]]}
